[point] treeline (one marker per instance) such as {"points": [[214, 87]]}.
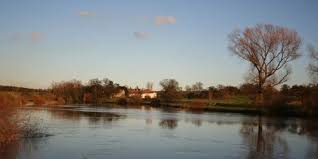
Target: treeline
{"points": [[96, 91], [306, 95], [27, 96], [19, 89], [299, 100]]}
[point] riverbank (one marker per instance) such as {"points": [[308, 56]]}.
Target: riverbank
{"points": [[237, 105], [28, 98], [15, 126]]}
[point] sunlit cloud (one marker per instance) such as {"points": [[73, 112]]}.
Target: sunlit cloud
{"points": [[86, 14], [36, 36], [163, 20], [19, 37], [142, 35]]}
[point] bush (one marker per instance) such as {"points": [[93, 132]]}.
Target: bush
{"points": [[277, 104], [134, 100], [39, 100], [155, 102], [276, 100], [122, 101], [12, 125], [199, 104], [9, 129]]}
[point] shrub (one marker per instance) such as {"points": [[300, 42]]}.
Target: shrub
{"points": [[12, 125], [134, 100], [199, 104], [8, 127], [122, 101], [39, 100], [155, 102]]}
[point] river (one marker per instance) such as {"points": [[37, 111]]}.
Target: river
{"points": [[87, 132]]}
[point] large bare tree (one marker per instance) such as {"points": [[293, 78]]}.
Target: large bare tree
{"points": [[268, 49], [313, 65]]}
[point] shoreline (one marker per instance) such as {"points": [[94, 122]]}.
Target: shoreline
{"points": [[288, 111]]}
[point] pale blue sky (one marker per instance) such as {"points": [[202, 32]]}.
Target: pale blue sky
{"points": [[52, 40]]}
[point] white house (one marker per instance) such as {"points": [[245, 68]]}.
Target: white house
{"points": [[148, 94], [142, 93]]}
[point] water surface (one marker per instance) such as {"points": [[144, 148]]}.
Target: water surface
{"points": [[144, 132]]}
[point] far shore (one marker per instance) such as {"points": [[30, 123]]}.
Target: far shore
{"points": [[246, 109]]}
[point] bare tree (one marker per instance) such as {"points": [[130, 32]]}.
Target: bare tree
{"points": [[149, 85], [170, 90], [198, 86], [71, 91], [188, 88], [313, 65], [268, 49]]}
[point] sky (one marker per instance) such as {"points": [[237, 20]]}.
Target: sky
{"points": [[136, 41]]}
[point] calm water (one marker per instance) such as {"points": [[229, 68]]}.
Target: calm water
{"points": [[81, 132]]}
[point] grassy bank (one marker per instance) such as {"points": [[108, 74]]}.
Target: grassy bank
{"points": [[28, 98], [9, 129], [236, 104], [13, 126]]}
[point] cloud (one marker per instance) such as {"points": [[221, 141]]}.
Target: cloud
{"points": [[162, 20], [15, 37], [141, 35], [36, 36], [86, 14]]}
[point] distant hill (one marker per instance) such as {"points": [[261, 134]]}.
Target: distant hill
{"points": [[20, 89]]}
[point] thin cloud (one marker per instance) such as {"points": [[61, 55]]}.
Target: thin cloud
{"points": [[164, 20], [142, 35], [15, 37], [36, 36], [86, 14]]}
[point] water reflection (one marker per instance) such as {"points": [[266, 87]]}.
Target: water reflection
{"points": [[10, 151], [191, 135], [23, 148], [197, 122], [93, 117], [148, 121], [310, 129], [264, 141], [168, 123]]}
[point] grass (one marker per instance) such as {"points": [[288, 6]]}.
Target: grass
{"points": [[12, 125], [9, 129]]}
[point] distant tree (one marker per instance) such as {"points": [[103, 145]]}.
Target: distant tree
{"points": [[313, 65], [198, 86], [227, 91], [96, 88], [170, 89], [107, 82], [311, 95], [284, 89], [109, 88], [71, 91], [149, 85], [95, 82], [213, 93], [248, 89], [187, 88], [268, 49]]}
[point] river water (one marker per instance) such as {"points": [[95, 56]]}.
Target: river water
{"points": [[87, 132]]}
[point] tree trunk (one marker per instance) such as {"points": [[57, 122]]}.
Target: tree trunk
{"points": [[260, 98]]}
